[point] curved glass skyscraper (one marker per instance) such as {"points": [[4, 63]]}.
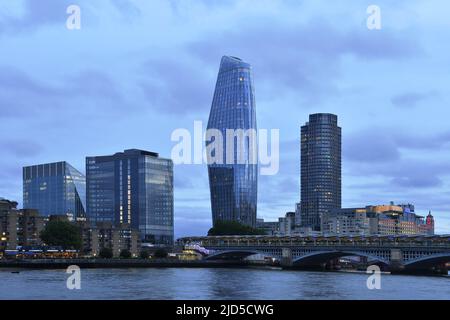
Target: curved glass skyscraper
{"points": [[233, 184]]}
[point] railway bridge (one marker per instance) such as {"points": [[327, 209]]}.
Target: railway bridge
{"points": [[402, 254]]}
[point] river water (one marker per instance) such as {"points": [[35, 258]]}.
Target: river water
{"points": [[220, 283]]}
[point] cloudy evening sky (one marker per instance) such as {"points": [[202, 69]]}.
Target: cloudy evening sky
{"points": [[137, 70]]}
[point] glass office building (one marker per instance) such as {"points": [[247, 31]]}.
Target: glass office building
{"points": [[54, 189], [133, 187], [233, 186], [320, 169]]}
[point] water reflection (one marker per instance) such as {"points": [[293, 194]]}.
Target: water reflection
{"points": [[255, 283]]}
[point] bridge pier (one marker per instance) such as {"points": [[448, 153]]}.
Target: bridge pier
{"points": [[286, 258], [396, 262]]}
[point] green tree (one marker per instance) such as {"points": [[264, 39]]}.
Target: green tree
{"points": [[125, 254], [62, 233], [105, 253], [144, 254], [160, 253], [233, 228]]}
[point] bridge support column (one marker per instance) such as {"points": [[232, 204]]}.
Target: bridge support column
{"points": [[286, 257], [396, 263]]}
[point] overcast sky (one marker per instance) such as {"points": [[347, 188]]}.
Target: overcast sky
{"points": [[137, 70]]}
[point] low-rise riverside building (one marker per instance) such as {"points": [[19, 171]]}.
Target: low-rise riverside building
{"points": [[106, 235], [270, 228], [19, 227], [350, 221], [287, 224], [22, 228], [377, 220], [8, 224]]}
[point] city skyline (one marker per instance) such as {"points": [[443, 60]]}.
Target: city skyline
{"points": [[395, 124]]}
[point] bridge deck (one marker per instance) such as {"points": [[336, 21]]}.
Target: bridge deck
{"points": [[438, 242]]}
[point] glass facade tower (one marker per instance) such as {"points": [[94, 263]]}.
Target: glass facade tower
{"points": [[233, 186], [133, 187], [54, 189], [320, 168]]}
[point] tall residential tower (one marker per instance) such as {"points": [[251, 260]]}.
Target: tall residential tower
{"points": [[233, 186], [320, 168]]}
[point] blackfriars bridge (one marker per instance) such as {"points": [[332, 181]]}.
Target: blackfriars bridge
{"points": [[400, 253]]}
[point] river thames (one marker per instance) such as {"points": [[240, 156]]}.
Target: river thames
{"points": [[215, 284]]}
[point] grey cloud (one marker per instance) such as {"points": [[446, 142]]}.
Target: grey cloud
{"points": [[290, 146], [11, 181], [191, 221], [383, 152], [37, 13], [303, 58], [127, 8], [171, 86], [11, 173], [285, 60], [403, 174], [380, 45], [21, 148], [14, 79], [280, 190], [371, 145], [94, 84], [189, 227], [182, 183], [191, 177], [384, 144], [418, 180], [423, 141], [23, 96], [411, 99], [289, 185]]}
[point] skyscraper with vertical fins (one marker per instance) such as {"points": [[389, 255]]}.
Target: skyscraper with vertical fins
{"points": [[233, 186]]}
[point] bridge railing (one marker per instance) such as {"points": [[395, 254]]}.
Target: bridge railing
{"points": [[427, 245], [400, 241]]}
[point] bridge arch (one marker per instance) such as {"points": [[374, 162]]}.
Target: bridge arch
{"points": [[235, 254], [427, 261], [319, 257]]}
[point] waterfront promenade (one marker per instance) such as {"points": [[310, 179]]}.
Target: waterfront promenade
{"points": [[115, 263]]}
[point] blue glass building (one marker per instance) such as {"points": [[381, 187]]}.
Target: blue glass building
{"points": [[233, 186], [54, 189], [133, 187]]}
